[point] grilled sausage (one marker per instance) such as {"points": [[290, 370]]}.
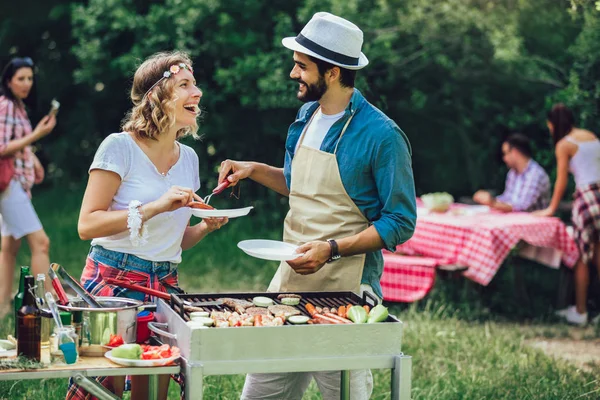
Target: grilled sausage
{"points": [[338, 318]]}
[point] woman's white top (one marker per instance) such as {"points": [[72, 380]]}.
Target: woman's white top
{"points": [[140, 180], [585, 164]]}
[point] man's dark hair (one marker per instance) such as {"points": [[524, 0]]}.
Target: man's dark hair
{"points": [[521, 143], [562, 119], [347, 76]]}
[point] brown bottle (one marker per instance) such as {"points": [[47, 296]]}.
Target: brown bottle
{"points": [[29, 324]]}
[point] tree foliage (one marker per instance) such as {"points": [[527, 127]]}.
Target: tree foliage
{"points": [[456, 75]]}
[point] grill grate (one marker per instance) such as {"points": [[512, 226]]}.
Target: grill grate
{"points": [[318, 299]]}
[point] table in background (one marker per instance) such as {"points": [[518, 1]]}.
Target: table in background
{"points": [[481, 242]]}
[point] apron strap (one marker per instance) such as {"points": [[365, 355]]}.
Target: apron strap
{"points": [[342, 134]]}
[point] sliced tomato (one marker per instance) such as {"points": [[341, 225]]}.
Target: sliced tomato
{"points": [[115, 340]]}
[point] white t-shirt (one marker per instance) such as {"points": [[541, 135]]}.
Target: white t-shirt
{"points": [[140, 180], [318, 128]]}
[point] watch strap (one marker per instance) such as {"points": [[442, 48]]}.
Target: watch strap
{"points": [[335, 253]]}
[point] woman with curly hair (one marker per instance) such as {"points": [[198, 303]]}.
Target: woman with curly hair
{"points": [[19, 218], [140, 182], [578, 151]]}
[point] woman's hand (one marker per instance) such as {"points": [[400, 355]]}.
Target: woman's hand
{"points": [[546, 212], [212, 224], [45, 126], [38, 169], [175, 198]]}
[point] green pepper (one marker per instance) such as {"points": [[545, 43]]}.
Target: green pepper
{"points": [[357, 314], [379, 313]]}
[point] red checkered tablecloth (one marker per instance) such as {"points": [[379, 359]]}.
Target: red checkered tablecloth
{"points": [[405, 278], [481, 242]]}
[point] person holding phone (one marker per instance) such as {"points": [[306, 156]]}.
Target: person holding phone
{"points": [[19, 218]]}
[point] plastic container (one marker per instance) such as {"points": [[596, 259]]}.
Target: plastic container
{"points": [[143, 333], [56, 352]]}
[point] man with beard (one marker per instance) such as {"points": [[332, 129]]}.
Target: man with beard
{"points": [[348, 175]]}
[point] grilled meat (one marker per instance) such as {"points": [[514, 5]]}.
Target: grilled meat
{"points": [[238, 305], [280, 310], [257, 311], [281, 296]]}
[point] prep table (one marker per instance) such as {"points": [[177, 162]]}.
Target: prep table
{"points": [[89, 367], [287, 348]]}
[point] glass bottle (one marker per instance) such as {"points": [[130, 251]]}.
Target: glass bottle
{"points": [[19, 296], [29, 324], [39, 293]]}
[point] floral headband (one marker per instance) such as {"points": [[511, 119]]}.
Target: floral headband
{"points": [[173, 69]]}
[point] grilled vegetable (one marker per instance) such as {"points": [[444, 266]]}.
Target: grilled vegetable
{"points": [[342, 311], [298, 319], [290, 301], [261, 301], [357, 314], [367, 308], [379, 313]]}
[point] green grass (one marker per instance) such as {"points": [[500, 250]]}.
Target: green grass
{"points": [[466, 342]]}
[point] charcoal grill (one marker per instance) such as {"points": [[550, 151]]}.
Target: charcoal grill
{"points": [[286, 348]]}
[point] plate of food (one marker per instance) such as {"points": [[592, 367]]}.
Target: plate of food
{"points": [[273, 250], [202, 210], [135, 355]]}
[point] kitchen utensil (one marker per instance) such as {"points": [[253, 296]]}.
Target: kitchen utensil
{"points": [[117, 316], [85, 295], [157, 293], [66, 343], [222, 186], [58, 288], [129, 362]]}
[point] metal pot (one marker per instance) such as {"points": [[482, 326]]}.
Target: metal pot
{"points": [[118, 315]]}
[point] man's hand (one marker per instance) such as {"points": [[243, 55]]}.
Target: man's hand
{"points": [[546, 212], [483, 197], [315, 256], [234, 171]]}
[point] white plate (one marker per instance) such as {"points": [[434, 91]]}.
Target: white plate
{"points": [[140, 363], [229, 213], [269, 249], [8, 353]]}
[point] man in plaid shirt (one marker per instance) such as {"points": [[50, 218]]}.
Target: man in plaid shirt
{"points": [[527, 184]]}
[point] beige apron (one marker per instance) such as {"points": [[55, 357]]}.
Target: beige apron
{"points": [[320, 209]]}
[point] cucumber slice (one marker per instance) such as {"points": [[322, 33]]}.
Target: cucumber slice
{"points": [[262, 301], [298, 319], [196, 325], [204, 321], [290, 301], [197, 314]]}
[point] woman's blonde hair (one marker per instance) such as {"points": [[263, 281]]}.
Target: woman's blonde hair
{"points": [[154, 113]]}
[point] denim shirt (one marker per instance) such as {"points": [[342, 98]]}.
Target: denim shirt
{"points": [[374, 161]]}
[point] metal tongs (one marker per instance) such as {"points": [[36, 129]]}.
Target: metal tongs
{"points": [[222, 186], [157, 293], [64, 275]]}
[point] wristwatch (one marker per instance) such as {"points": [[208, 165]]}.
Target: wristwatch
{"points": [[335, 254]]}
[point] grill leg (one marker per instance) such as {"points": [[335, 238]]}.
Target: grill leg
{"points": [[401, 377], [345, 385], [194, 377]]}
